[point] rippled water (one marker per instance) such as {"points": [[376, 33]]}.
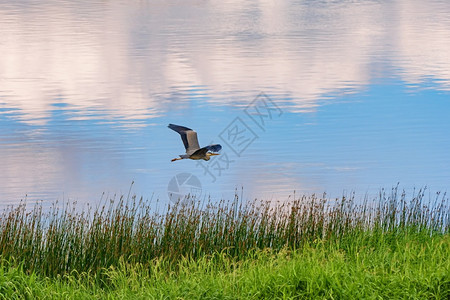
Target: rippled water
{"points": [[351, 96]]}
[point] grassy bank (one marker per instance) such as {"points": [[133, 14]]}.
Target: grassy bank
{"points": [[411, 267], [311, 246]]}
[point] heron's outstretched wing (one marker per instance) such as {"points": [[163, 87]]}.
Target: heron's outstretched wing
{"points": [[188, 136], [202, 151], [214, 147]]}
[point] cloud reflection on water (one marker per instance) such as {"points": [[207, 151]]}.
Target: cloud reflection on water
{"points": [[121, 64], [126, 59]]}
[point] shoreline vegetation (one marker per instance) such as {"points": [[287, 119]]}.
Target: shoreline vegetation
{"points": [[308, 248]]}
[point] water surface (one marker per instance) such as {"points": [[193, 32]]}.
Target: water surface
{"points": [[358, 93]]}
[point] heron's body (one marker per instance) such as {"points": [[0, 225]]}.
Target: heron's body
{"points": [[190, 141]]}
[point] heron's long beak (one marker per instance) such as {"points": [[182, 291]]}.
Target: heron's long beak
{"points": [[214, 154]]}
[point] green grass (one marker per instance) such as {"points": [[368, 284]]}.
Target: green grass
{"points": [[414, 267], [311, 247]]}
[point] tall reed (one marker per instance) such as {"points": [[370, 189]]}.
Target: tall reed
{"points": [[63, 240]]}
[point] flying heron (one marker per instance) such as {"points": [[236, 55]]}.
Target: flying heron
{"points": [[190, 141]]}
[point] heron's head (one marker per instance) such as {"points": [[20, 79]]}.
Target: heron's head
{"points": [[209, 154]]}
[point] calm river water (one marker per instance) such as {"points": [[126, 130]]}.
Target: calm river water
{"points": [[304, 96]]}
